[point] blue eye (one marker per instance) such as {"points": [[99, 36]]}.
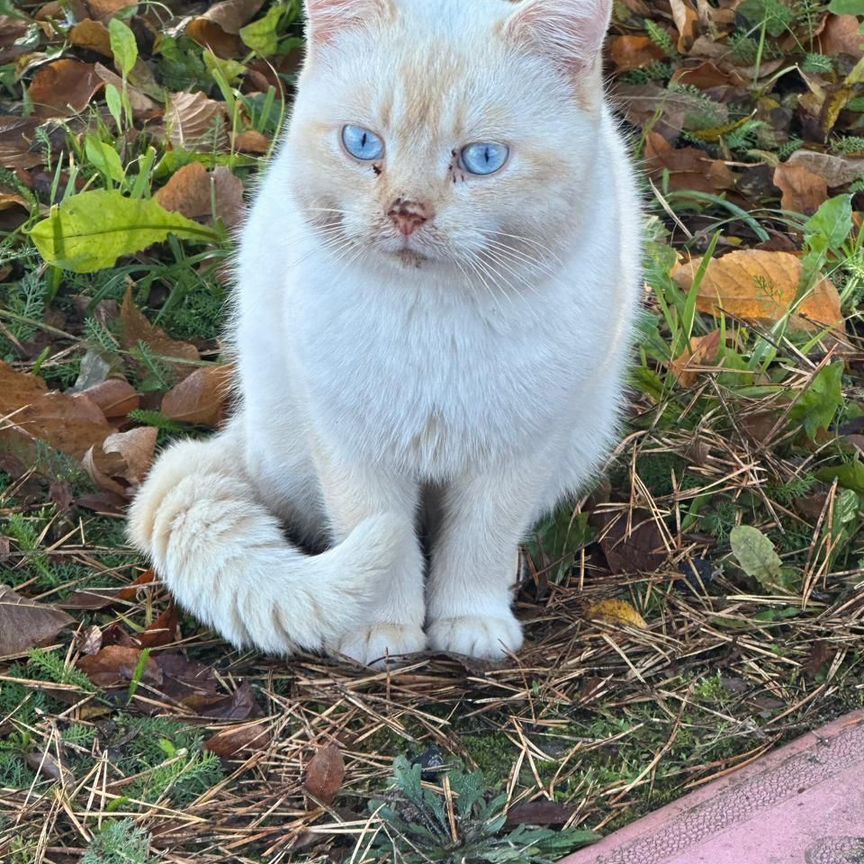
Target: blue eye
{"points": [[484, 158], [362, 144]]}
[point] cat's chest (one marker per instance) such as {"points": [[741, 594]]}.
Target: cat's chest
{"points": [[428, 386]]}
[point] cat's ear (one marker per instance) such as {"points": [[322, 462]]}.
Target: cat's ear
{"points": [[570, 32], [326, 18]]}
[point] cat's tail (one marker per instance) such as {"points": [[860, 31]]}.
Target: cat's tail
{"points": [[226, 559]]}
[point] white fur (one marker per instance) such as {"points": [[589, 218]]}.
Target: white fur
{"points": [[371, 388]]}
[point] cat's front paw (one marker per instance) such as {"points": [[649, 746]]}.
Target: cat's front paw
{"points": [[381, 645], [479, 636]]}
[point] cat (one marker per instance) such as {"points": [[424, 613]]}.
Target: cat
{"points": [[437, 290]]}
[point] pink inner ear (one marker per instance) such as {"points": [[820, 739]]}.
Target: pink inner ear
{"points": [[569, 31], [328, 17]]}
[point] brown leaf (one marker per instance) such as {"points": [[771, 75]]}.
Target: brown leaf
{"points": [[64, 87], [92, 36], [616, 612], [16, 139], [135, 328], [234, 739], [703, 351], [687, 21], [129, 594], [142, 105], [115, 397], [837, 170], [842, 35], [165, 630], [761, 287], [231, 15], [24, 623], [803, 191], [709, 75], [105, 9], [196, 192], [115, 666], [210, 35], [252, 141], [28, 412], [122, 456], [540, 813], [325, 774], [687, 167], [89, 641], [631, 546], [237, 706], [634, 52], [48, 765], [191, 118], [202, 398]]}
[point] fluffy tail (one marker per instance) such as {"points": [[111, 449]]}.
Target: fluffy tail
{"points": [[225, 557]]}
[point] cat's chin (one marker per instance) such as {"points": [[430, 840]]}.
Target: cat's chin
{"points": [[407, 258]]}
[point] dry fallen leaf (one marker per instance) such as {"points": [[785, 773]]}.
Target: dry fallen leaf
{"points": [[252, 141], [28, 412], [687, 21], [616, 612], [231, 15], [63, 87], [24, 623], [210, 35], [233, 739], [142, 105], [135, 328], [115, 397], [105, 9], [325, 774], [194, 120], [201, 399], [16, 137], [633, 52], [803, 191], [195, 192], [122, 456], [761, 287], [115, 666], [842, 35], [703, 351], [163, 631], [687, 167], [837, 170], [633, 545], [92, 36]]}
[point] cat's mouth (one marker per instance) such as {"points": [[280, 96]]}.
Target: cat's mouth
{"points": [[410, 258]]}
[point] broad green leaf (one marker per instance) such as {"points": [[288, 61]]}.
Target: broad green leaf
{"points": [[830, 225], [262, 35], [104, 158], [823, 398], [115, 104], [90, 231], [123, 45], [756, 556], [849, 476], [846, 7]]}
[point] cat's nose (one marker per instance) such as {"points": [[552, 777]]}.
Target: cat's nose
{"points": [[408, 216]]}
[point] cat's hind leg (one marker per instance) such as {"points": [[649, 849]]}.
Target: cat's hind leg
{"points": [[225, 557]]}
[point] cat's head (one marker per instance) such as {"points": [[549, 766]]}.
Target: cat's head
{"points": [[448, 133]]}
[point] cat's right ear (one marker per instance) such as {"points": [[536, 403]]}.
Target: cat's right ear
{"points": [[327, 18]]}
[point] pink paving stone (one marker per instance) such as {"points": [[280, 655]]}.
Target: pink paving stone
{"points": [[803, 804]]}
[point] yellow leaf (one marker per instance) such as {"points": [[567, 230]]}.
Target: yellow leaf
{"points": [[616, 612], [761, 287]]}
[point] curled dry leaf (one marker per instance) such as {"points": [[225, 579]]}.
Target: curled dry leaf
{"points": [[325, 774], [122, 461], [24, 623], [196, 192], [92, 36], [803, 191], [63, 87], [135, 328], [686, 19], [837, 170], [231, 15], [201, 399], [234, 739], [192, 119], [210, 35], [761, 287], [115, 397], [687, 167], [163, 631], [16, 138], [252, 141], [28, 412], [115, 666], [634, 52], [616, 612], [633, 545], [142, 105], [703, 351]]}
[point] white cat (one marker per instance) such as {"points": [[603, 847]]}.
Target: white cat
{"points": [[437, 289]]}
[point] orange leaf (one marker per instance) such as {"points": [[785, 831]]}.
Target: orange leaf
{"points": [[202, 398], [761, 287], [634, 52], [703, 351], [803, 191], [196, 192], [93, 36]]}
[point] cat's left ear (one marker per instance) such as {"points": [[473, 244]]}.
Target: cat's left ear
{"points": [[570, 32], [326, 18]]}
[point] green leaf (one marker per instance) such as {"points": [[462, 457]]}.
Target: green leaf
{"points": [[756, 556], [846, 7], [820, 402], [90, 231], [830, 226], [123, 45], [849, 476], [262, 35], [104, 158]]}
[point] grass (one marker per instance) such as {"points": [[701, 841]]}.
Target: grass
{"points": [[199, 752]]}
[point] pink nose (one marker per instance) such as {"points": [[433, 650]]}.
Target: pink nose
{"points": [[408, 216]]}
